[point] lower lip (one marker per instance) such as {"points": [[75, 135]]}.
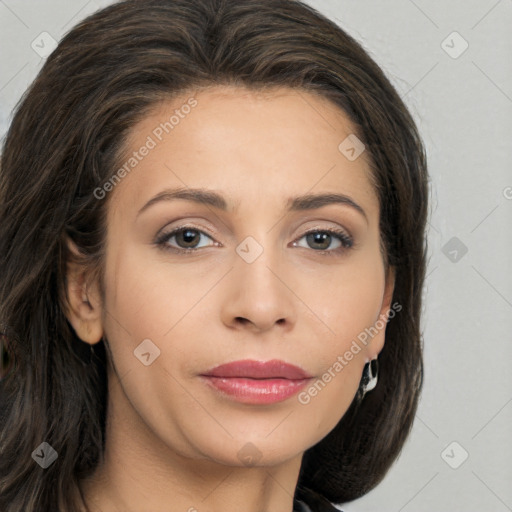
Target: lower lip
{"points": [[257, 391]]}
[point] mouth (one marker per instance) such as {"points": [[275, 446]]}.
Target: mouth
{"points": [[257, 382]]}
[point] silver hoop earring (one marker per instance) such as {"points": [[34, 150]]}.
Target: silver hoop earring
{"points": [[370, 376]]}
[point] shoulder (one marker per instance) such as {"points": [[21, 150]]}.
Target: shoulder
{"points": [[307, 500]]}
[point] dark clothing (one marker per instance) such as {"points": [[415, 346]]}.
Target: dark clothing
{"points": [[307, 500]]}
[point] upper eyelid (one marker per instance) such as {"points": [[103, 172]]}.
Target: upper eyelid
{"points": [[172, 231]]}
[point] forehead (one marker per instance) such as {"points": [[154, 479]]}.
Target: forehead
{"points": [[277, 141]]}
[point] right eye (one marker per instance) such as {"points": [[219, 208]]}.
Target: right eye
{"points": [[186, 238]]}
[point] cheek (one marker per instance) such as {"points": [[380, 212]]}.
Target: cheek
{"points": [[347, 306], [353, 307], [349, 301], [150, 297]]}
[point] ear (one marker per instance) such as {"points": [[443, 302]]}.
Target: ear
{"points": [[83, 308], [377, 342], [389, 288]]}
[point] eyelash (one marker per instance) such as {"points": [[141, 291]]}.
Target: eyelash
{"points": [[346, 241]]}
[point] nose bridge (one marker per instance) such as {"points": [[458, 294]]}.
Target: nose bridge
{"points": [[256, 264], [258, 292]]}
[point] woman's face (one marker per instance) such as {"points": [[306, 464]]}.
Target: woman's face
{"points": [[244, 280]]}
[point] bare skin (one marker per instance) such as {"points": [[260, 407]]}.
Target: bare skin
{"points": [[174, 443]]}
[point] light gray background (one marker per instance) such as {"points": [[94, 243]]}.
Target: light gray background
{"points": [[463, 107]]}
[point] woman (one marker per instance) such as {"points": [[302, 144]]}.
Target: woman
{"points": [[212, 252]]}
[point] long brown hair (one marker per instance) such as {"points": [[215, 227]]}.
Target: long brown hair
{"points": [[65, 139]]}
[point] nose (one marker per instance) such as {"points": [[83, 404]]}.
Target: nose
{"points": [[259, 295]]}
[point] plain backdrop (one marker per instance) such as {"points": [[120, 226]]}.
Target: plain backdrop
{"points": [[452, 63]]}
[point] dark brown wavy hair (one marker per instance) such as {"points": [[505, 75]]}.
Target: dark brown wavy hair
{"points": [[66, 137]]}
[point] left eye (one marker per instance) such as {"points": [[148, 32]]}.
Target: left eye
{"points": [[324, 237]]}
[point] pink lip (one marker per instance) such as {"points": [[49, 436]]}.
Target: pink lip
{"points": [[259, 370], [257, 382]]}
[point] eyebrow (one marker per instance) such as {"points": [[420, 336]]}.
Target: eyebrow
{"points": [[216, 200]]}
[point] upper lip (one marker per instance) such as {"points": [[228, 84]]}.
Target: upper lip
{"points": [[259, 370]]}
